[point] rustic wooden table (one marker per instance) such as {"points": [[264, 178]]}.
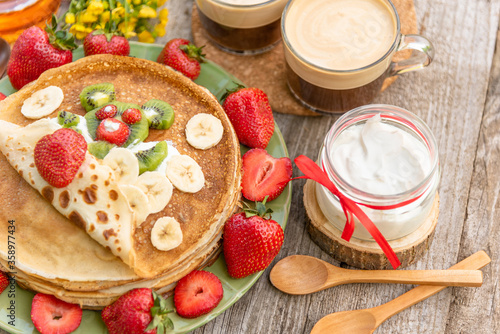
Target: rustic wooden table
{"points": [[458, 97]]}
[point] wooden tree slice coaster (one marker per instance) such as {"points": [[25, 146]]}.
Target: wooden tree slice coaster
{"points": [[366, 254], [267, 71]]}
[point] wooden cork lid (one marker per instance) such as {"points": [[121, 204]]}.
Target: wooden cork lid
{"points": [[267, 71], [366, 254]]}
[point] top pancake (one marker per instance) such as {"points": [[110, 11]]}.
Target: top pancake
{"points": [[47, 240]]}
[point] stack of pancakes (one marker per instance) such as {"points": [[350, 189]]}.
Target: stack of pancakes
{"points": [[54, 255]]}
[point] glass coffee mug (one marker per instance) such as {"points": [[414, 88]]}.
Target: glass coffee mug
{"points": [[339, 52], [244, 27]]}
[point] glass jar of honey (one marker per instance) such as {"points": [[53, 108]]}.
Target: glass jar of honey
{"points": [[18, 15]]}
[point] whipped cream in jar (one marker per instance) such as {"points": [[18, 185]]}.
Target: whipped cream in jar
{"points": [[385, 159]]}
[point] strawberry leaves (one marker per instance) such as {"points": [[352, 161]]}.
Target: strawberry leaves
{"points": [[159, 312], [60, 39]]}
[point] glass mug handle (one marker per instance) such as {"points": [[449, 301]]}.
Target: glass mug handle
{"points": [[421, 56]]}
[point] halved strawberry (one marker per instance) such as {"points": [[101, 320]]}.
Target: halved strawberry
{"points": [[197, 293], [131, 116], [264, 175], [108, 111], [4, 281], [113, 131], [58, 156], [53, 316]]}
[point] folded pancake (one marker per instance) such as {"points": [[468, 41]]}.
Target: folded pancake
{"points": [[53, 246]]}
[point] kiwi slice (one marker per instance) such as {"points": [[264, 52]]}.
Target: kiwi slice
{"points": [[100, 149], [151, 158], [159, 113], [97, 95], [67, 119], [138, 131]]}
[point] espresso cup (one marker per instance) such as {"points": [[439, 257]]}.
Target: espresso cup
{"points": [[245, 27], [339, 52]]}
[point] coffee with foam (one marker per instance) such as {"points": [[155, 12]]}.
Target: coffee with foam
{"points": [[341, 34]]}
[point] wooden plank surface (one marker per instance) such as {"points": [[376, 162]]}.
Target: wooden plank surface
{"points": [[458, 97]]}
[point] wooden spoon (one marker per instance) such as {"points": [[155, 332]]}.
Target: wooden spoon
{"points": [[301, 274], [366, 321]]}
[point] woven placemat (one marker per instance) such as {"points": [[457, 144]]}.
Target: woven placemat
{"points": [[267, 71]]}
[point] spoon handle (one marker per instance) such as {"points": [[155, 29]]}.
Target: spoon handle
{"points": [[426, 277], [475, 261]]}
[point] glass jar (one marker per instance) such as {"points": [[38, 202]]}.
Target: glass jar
{"points": [[395, 214], [18, 15]]}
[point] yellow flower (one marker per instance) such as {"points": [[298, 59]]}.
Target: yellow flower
{"points": [[78, 30], [160, 29], [127, 29], [117, 13], [137, 2], [87, 17], [146, 37], [147, 12], [164, 15], [161, 3], [95, 7], [105, 17], [70, 18]]}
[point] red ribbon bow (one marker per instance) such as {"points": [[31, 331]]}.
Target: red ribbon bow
{"points": [[312, 171]]}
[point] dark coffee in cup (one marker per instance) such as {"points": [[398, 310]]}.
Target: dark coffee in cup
{"points": [[242, 26]]}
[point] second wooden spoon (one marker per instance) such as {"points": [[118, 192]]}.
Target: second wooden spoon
{"points": [[301, 274]]}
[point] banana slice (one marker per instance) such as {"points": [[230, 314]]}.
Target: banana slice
{"points": [[124, 163], [43, 102], [166, 234], [137, 200], [185, 174], [204, 131], [157, 188]]}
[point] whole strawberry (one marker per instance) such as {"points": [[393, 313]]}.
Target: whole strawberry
{"points": [[250, 113], [59, 155], [183, 56], [4, 281], [99, 42], [53, 316], [36, 51], [263, 175], [136, 312], [251, 241]]}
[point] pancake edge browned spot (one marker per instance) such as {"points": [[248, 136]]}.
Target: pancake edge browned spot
{"points": [[109, 233], [64, 199], [113, 195], [102, 217], [48, 193], [76, 218]]}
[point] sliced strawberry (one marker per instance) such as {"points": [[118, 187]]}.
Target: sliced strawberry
{"points": [[113, 131], [4, 281], [197, 293], [131, 116], [108, 111], [2, 96], [58, 156], [264, 175], [53, 316]]}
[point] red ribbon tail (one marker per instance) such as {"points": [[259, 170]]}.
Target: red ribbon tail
{"points": [[312, 171]]}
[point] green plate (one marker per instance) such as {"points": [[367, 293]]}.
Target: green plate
{"points": [[216, 80]]}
